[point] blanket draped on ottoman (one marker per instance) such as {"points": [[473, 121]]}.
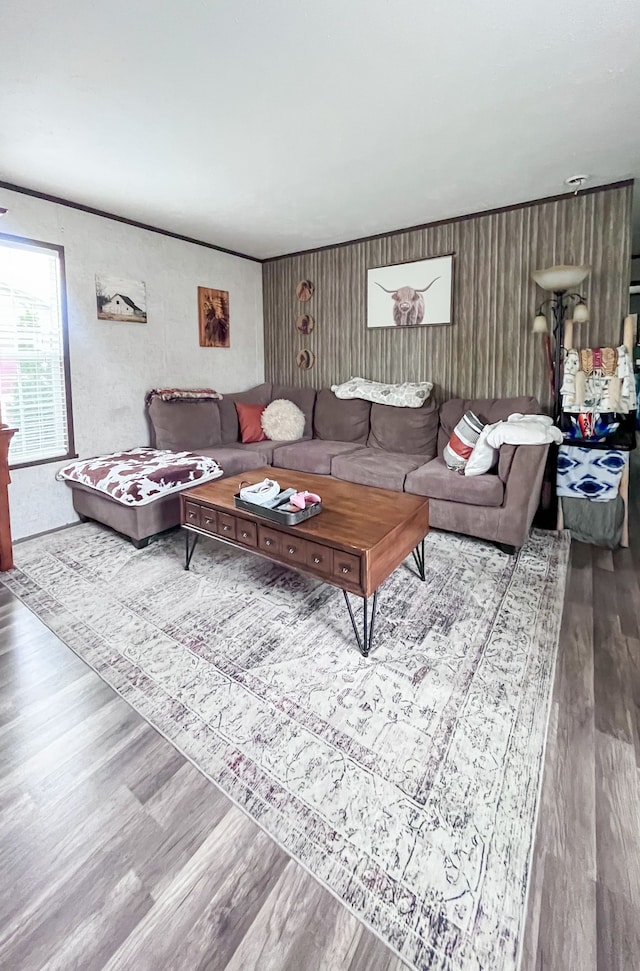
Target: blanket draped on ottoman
{"points": [[140, 475]]}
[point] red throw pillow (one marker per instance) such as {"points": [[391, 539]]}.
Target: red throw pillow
{"points": [[250, 427]]}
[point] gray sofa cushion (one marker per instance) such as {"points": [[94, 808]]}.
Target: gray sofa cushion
{"points": [[487, 409], [370, 466], [264, 449], [234, 460], [260, 395], [341, 420], [304, 398], [182, 425], [436, 481], [413, 431], [311, 456]]}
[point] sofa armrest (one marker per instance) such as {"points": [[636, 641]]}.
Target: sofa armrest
{"points": [[505, 460], [522, 489]]}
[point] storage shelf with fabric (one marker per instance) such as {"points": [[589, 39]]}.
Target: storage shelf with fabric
{"points": [[598, 425]]}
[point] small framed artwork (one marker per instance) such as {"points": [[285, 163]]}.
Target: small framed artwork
{"points": [[305, 359], [416, 294], [213, 317], [120, 298], [305, 323], [305, 290]]}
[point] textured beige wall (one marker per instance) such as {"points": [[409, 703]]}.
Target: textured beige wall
{"points": [[489, 350], [114, 364]]}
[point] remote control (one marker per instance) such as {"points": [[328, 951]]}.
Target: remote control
{"points": [[280, 499]]}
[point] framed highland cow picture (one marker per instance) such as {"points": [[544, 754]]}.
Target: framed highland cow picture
{"points": [[213, 315], [416, 294]]}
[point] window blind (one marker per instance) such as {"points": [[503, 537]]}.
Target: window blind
{"points": [[33, 380]]}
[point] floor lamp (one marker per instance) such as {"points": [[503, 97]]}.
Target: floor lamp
{"points": [[560, 281]]}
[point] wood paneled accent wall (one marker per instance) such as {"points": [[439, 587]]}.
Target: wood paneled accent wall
{"points": [[489, 350]]}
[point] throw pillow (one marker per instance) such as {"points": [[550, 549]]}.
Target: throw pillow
{"points": [[483, 456], [249, 417], [460, 446], [411, 394], [283, 421]]}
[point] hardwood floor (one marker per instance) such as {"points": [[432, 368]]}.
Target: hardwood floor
{"points": [[116, 853], [584, 903]]}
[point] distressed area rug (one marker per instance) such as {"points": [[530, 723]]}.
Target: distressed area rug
{"points": [[407, 782]]}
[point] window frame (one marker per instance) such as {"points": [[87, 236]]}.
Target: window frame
{"points": [[71, 451]]}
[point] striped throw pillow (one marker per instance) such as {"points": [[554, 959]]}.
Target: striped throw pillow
{"points": [[460, 446]]}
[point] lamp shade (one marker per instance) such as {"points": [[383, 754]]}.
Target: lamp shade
{"points": [[580, 313], [560, 277], [540, 324]]}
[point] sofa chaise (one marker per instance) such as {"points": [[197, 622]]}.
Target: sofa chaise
{"points": [[372, 444]]}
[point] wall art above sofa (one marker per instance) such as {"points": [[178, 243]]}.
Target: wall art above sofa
{"points": [[413, 294]]}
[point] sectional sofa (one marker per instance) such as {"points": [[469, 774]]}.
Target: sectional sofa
{"points": [[373, 444]]}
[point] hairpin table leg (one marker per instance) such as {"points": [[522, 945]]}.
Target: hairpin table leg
{"points": [[418, 557], [365, 642], [189, 551]]}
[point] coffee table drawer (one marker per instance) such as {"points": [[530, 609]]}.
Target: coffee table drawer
{"points": [[293, 550], [346, 567], [270, 540], [246, 532], [208, 519], [319, 559], [191, 514], [226, 526]]}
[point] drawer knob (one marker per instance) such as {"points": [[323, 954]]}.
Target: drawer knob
{"points": [[292, 550], [345, 569], [268, 542], [208, 521], [317, 559], [225, 528], [244, 534]]}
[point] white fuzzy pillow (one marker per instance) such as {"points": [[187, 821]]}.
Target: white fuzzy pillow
{"points": [[282, 421]]}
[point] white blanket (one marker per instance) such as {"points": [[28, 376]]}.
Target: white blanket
{"points": [[523, 430], [516, 430]]}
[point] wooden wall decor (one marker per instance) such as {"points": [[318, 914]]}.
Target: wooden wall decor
{"points": [[305, 323], [305, 359], [213, 317], [305, 290], [490, 351]]}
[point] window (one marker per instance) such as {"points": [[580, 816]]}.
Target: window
{"points": [[35, 392]]}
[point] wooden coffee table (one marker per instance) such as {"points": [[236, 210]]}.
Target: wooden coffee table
{"points": [[355, 543]]}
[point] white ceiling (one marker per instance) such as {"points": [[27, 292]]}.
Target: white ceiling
{"points": [[269, 126]]}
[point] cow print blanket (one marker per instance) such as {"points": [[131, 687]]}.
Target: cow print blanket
{"points": [[141, 475]]}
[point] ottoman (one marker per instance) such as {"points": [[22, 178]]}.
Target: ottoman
{"points": [[136, 492]]}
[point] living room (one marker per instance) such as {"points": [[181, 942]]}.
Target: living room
{"points": [[201, 768]]}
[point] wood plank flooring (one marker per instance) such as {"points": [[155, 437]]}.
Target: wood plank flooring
{"points": [[115, 853], [584, 900]]}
